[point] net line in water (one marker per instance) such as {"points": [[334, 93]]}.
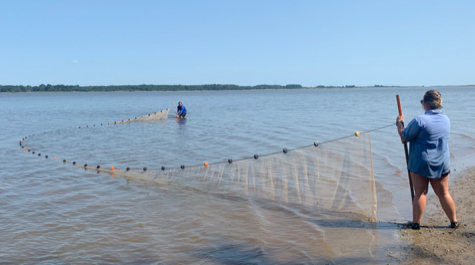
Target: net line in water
{"points": [[335, 175], [150, 117]]}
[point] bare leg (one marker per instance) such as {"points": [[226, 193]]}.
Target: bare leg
{"points": [[441, 189], [421, 186]]}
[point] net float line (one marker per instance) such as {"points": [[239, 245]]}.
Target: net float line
{"points": [[163, 114], [155, 116], [336, 175]]}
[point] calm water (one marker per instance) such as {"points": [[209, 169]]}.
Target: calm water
{"points": [[52, 212]]}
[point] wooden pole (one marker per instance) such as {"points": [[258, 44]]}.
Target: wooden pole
{"points": [[405, 150]]}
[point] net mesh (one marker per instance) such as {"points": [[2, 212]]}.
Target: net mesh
{"points": [[335, 176], [163, 114]]}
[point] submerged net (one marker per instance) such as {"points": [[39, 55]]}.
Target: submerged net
{"points": [[163, 114], [335, 176]]}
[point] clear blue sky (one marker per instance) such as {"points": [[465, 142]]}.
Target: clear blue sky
{"points": [[243, 42]]}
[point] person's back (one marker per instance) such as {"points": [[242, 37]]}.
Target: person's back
{"points": [[428, 135]]}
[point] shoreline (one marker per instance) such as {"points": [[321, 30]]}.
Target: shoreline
{"points": [[434, 242], [222, 88], [238, 89]]}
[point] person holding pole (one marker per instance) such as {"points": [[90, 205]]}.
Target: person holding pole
{"points": [[429, 157]]}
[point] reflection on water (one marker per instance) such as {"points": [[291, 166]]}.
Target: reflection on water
{"points": [[54, 212], [181, 120]]}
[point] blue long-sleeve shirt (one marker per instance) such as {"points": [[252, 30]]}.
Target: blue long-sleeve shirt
{"points": [[428, 136], [181, 110]]}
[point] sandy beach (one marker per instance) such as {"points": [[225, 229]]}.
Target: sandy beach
{"points": [[434, 243]]}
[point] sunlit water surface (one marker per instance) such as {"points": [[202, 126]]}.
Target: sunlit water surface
{"points": [[52, 212]]}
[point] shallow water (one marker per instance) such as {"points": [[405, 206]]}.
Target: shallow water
{"points": [[54, 212]]}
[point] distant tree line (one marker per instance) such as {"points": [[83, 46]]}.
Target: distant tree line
{"points": [[77, 88]]}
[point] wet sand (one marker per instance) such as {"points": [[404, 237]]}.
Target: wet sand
{"points": [[434, 242]]}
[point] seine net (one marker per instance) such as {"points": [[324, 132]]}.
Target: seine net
{"points": [[163, 114], [335, 176]]}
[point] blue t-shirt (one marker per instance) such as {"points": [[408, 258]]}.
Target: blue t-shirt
{"points": [[428, 136]]}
